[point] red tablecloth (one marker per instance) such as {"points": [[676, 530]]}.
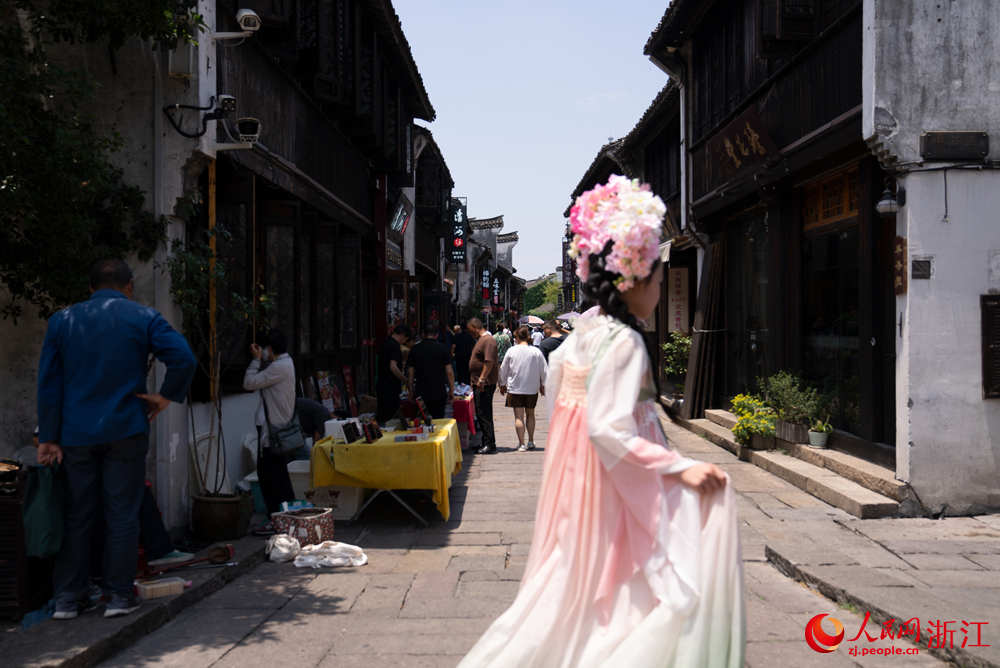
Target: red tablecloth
{"points": [[465, 413]]}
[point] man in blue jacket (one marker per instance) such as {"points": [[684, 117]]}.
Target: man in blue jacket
{"points": [[94, 416]]}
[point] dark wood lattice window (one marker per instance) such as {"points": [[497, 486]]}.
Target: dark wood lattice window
{"points": [[990, 305]]}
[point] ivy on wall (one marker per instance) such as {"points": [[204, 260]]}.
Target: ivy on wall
{"points": [[63, 202]]}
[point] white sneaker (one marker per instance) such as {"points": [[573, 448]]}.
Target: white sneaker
{"points": [[531, 446], [522, 448]]}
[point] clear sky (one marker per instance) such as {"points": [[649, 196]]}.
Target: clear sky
{"points": [[526, 93]]}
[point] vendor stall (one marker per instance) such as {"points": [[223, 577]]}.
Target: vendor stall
{"points": [[386, 464]]}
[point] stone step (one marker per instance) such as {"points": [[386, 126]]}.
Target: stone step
{"points": [[826, 485], [720, 417], [877, 478], [716, 434]]}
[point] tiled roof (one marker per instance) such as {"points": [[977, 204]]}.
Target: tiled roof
{"points": [[674, 23], [494, 223], [384, 10], [437, 149], [609, 152], [667, 97], [504, 238]]}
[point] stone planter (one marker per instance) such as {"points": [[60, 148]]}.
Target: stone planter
{"points": [[758, 442], [818, 439], [791, 432], [215, 518]]}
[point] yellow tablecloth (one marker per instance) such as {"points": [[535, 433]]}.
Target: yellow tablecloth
{"points": [[386, 464]]}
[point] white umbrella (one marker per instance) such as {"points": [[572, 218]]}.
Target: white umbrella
{"points": [[531, 320]]}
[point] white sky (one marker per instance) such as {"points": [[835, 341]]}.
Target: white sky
{"points": [[525, 94]]}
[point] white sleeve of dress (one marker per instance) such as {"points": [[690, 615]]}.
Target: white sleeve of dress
{"points": [[553, 377], [612, 393]]}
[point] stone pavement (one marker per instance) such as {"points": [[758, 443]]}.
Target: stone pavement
{"points": [[428, 593], [943, 570]]}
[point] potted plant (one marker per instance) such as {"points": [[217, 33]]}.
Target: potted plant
{"points": [[819, 432], [754, 426], [199, 280], [794, 404], [675, 358]]}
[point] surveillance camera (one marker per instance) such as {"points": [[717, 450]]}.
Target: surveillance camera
{"points": [[248, 20], [227, 103], [248, 130]]}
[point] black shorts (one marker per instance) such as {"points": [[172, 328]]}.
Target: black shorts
{"points": [[522, 400]]}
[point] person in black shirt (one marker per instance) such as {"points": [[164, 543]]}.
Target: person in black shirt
{"points": [[554, 336], [390, 374], [430, 373], [463, 343]]}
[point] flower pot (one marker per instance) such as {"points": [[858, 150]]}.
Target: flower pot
{"points": [[791, 432], [817, 439], [215, 518], [759, 442]]}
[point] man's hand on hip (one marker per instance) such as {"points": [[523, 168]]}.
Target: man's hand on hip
{"points": [[155, 404], [49, 453]]}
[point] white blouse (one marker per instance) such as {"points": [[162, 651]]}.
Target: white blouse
{"points": [[620, 390], [523, 370]]}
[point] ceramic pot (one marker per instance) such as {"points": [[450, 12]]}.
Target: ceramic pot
{"points": [[817, 439]]}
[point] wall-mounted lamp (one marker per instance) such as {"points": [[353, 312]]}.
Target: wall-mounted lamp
{"points": [[888, 204]]}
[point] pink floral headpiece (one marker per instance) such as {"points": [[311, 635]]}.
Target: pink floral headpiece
{"points": [[626, 213]]}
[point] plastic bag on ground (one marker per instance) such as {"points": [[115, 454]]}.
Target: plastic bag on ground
{"points": [[282, 547], [330, 553]]}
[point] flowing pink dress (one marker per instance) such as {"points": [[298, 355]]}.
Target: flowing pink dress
{"points": [[628, 567]]}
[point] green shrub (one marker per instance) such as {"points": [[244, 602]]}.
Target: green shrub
{"points": [[675, 354], [758, 422], [746, 404], [791, 399]]}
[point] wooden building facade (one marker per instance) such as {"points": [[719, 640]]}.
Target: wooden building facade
{"points": [[797, 265], [308, 208]]}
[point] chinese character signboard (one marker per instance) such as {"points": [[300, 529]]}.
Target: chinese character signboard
{"points": [[486, 285], [677, 299], [740, 146], [899, 266], [496, 291], [459, 229]]}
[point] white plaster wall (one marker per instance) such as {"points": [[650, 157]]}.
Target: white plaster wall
{"points": [[948, 436], [929, 66]]}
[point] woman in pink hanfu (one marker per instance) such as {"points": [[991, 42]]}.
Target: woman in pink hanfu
{"points": [[635, 558]]}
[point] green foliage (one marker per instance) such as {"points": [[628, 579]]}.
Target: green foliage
{"points": [[540, 293], [63, 203], [790, 397], [675, 354], [192, 273], [821, 426], [760, 422], [746, 404]]}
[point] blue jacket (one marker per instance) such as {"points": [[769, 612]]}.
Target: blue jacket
{"points": [[94, 362]]}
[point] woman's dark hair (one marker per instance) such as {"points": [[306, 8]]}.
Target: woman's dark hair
{"points": [[522, 333], [600, 287]]}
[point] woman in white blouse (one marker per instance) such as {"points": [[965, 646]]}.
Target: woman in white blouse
{"points": [[522, 377]]}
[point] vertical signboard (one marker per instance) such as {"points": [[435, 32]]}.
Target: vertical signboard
{"points": [[677, 299], [486, 285], [459, 230]]}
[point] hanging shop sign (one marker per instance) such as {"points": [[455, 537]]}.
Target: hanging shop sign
{"points": [[740, 146], [899, 266], [401, 215], [486, 284], [496, 290], [677, 299], [459, 232]]}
